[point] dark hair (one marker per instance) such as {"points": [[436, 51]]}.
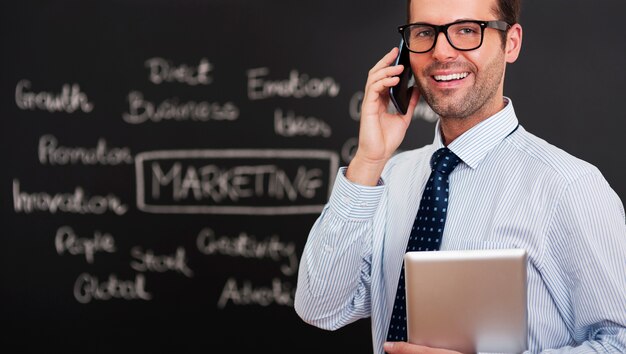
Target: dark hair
{"points": [[505, 10], [508, 11]]}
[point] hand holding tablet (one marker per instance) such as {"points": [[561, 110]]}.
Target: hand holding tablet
{"points": [[469, 301]]}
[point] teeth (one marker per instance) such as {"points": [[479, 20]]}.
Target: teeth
{"points": [[451, 77]]}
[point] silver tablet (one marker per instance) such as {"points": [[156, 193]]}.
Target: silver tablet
{"points": [[469, 301]]}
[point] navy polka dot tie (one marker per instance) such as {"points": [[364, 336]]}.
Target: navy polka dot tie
{"points": [[427, 230]]}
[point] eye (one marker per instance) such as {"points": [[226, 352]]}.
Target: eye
{"points": [[466, 29], [422, 32]]}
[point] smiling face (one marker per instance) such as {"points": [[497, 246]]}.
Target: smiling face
{"points": [[462, 84]]}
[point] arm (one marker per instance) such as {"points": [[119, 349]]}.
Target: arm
{"points": [[585, 259], [334, 277], [584, 267]]}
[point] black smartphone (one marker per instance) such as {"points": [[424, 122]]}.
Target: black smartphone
{"points": [[401, 93]]}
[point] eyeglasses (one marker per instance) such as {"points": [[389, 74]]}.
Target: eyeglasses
{"points": [[462, 35]]}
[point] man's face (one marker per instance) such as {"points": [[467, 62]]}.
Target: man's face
{"points": [[476, 85]]}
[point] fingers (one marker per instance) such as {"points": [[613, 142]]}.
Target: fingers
{"points": [[387, 60], [381, 85], [382, 75], [407, 348], [403, 348]]}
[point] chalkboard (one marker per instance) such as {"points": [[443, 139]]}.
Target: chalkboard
{"points": [[163, 161]]}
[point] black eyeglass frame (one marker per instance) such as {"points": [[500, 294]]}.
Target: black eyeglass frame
{"points": [[496, 24]]}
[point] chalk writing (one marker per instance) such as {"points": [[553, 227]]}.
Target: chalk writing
{"points": [[76, 203], [51, 153], [67, 240], [163, 70], [422, 110], [292, 125], [355, 105], [279, 293], [234, 181], [148, 261], [248, 246], [141, 110], [348, 150], [88, 287], [297, 85], [218, 184], [69, 100]]}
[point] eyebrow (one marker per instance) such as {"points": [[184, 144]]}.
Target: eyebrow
{"points": [[453, 21]]}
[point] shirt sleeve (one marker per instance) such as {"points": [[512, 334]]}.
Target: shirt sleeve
{"points": [[585, 266], [333, 287]]}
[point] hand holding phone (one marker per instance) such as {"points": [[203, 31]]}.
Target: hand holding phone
{"points": [[401, 93], [381, 132]]}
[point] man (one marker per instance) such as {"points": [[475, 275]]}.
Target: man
{"points": [[509, 190]]}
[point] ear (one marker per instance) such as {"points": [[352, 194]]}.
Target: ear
{"points": [[513, 43]]}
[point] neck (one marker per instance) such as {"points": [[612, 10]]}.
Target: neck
{"points": [[453, 127]]}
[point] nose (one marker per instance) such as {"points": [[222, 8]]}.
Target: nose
{"points": [[443, 50]]}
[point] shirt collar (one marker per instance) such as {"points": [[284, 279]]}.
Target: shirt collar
{"points": [[473, 145]]}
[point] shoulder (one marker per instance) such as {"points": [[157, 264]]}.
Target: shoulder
{"points": [[548, 158]]}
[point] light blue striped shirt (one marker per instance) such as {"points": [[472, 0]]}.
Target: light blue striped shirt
{"points": [[512, 190]]}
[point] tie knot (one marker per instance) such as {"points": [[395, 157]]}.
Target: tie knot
{"points": [[444, 161]]}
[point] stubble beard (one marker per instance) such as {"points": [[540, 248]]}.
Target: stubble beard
{"points": [[448, 105]]}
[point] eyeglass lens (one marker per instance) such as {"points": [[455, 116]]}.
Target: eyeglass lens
{"points": [[462, 36]]}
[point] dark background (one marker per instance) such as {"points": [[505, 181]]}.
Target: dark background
{"points": [[567, 87]]}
